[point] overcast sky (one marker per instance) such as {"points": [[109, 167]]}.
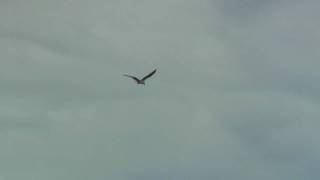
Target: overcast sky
{"points": [[236, 95]]}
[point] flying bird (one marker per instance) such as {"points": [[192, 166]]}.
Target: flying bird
{"points": [[141, 81]]}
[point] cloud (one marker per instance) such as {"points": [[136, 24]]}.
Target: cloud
{"points": [[235, 95]]}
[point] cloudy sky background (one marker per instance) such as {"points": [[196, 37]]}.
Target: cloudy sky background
{"points": [[236, 95]]}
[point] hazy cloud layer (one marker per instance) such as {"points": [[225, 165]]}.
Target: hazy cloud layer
{"points": [[236, 95]]}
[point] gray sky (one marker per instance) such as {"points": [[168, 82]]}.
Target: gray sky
{"points": [[236, 95]]}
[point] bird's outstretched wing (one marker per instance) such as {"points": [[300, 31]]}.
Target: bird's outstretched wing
{"points": [[149, 75], [133, 77]]}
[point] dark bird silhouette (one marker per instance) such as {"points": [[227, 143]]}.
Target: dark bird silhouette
{"points": [[141, 81]]}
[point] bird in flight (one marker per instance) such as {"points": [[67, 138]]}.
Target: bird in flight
{"points": [[141, 81]]}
